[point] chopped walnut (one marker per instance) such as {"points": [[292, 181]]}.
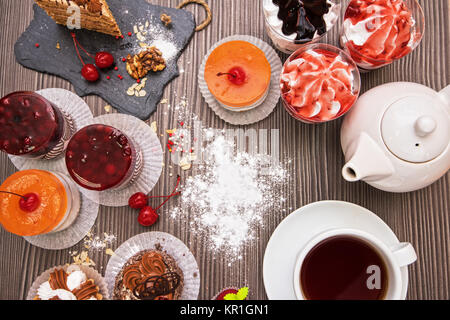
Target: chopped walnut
{"points": [[94, 6], [81, 2], [166, 19], [148, 60]]}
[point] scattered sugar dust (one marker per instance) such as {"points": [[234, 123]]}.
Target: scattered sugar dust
{"points": [[149, 34], [227, 202]]}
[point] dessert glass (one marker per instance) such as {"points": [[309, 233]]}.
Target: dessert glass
{"points": [[394, 31], [100, 157], [33, 127], [59, 203], [314, 95], [289, 43]]}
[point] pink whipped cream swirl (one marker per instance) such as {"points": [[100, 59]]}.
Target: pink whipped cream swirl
{"points": [[318, 85], [376, 32]]}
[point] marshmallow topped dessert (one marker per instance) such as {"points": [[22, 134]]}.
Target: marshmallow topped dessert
{"points": [[70, 284]]}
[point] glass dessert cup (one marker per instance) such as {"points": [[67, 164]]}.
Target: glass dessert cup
{"points": [[100, 157], [57, 203], [289, 43], [315, 95], [33, 127], [375, 43]]}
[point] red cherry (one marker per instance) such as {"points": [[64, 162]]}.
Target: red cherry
{"points": [[110, 169], [147, 216], [90, 72], [138, 200], [104, 60], [29, 202], [237, 76]]}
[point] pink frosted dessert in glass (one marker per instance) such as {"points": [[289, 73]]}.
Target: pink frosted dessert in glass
{"points": [[319, 83], [376, 33]]}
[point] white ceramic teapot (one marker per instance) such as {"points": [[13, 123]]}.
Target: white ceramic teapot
{"points": [[397, 137]]}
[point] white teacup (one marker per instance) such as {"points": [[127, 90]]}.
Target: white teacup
{"points": [[395, 257]]}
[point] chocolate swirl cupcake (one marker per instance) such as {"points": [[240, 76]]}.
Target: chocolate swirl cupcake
{"points": [[149, 275]]}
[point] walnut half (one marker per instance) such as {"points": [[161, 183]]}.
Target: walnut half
{"points": [[148, 60], [166, 19]]}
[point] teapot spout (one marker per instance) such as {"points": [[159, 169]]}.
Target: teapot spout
{"points": [[368, 162]]}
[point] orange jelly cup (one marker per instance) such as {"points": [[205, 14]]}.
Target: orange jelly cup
{"points": [[51, 211]]}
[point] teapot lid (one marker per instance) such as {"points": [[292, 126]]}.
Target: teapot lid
{"points": [[416, 129]]}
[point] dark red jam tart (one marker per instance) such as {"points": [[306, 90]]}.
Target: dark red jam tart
{"points": [[30, 125], [100, 157]]}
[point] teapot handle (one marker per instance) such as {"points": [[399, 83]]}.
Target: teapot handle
{"points": [[445, 94]]}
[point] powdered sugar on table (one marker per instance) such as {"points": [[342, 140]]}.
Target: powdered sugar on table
{"points": [[229, 199]]}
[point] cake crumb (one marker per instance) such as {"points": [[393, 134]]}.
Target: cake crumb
{"points": [[166, 19], [154, 126]]}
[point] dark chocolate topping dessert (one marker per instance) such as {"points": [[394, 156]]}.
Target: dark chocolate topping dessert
{"points": [[149, 275], [303, 17]]}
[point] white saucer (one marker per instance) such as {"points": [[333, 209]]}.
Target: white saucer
{"points": [[300, 226]]}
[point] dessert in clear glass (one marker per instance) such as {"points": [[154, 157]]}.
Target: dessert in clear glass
{"points": [[35, 202], [100, 157], [293, 23], [378, 32], [319, 83], [33, 127]]}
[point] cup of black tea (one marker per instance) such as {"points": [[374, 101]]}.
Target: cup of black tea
{"points": [[349, 264]]}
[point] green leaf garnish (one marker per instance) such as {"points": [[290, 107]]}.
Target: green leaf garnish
{"points": [[240, 295]]}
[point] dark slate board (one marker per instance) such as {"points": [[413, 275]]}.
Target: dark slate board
{"points": [[65, 63]]}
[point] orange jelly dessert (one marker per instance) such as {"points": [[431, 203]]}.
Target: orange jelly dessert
{"points": [[238, 75], [55, 204]]}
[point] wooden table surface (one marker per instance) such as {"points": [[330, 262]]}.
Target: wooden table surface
{"points": [[421, 217]]}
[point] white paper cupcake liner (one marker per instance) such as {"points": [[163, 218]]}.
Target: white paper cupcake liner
{"points": [[73, 234], [169, 244], [152, 154], [263, 110], [80, 113], [90, 273]]}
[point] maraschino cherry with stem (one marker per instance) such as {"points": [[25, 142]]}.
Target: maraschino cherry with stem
{"points": [[148, 215], [235, 75], [28, 202], [103, 60]]}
